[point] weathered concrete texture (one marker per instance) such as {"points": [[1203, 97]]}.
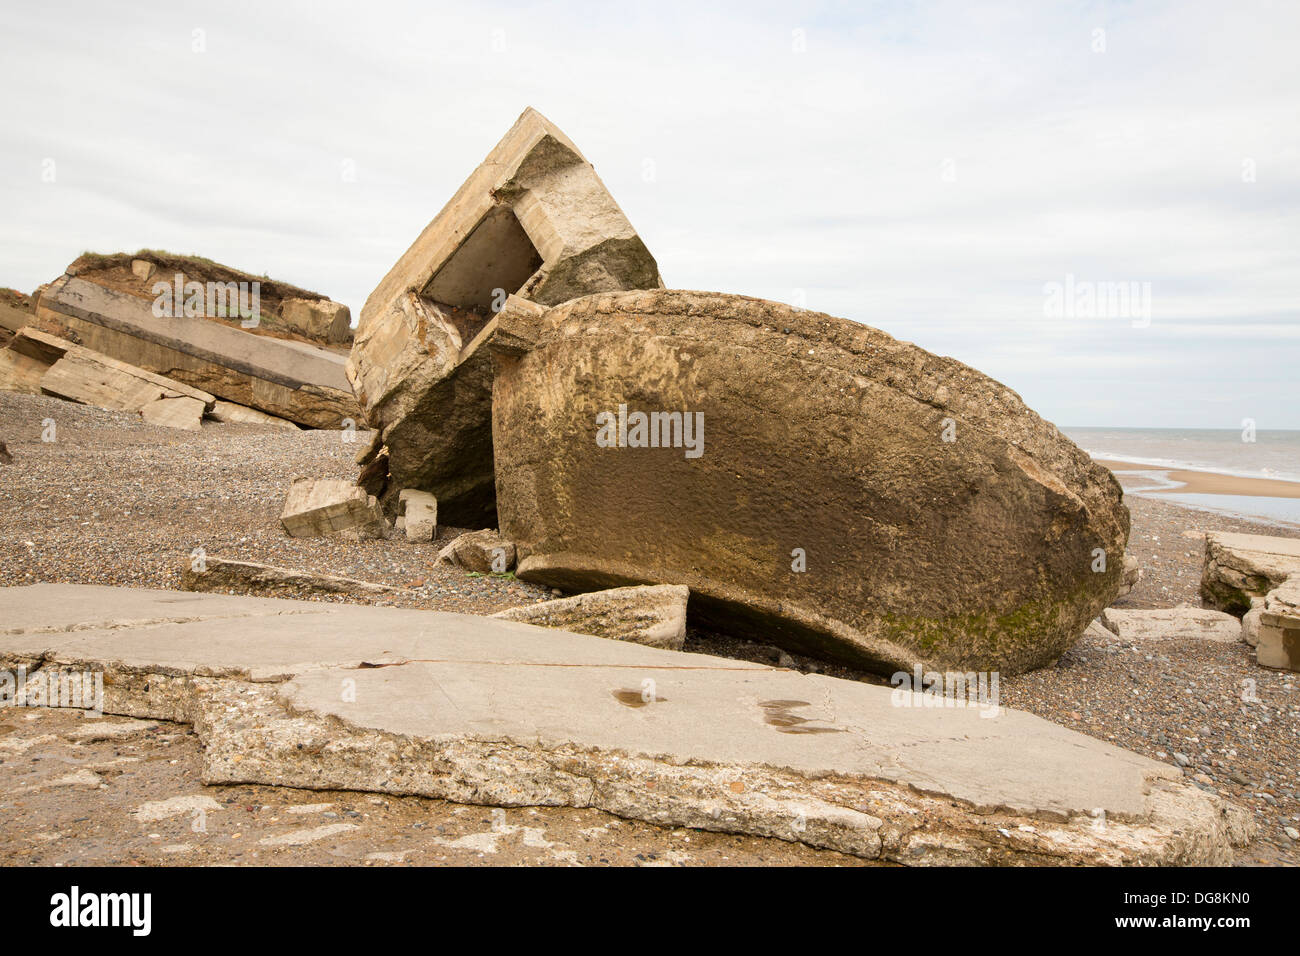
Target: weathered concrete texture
{"points": [[419, 514], [289, 379], [230, 413], [1277, 626], [324, 506], [480, 711], [483, 551], [1239, 567], [1174, 623], [249, 577], [653, 615], [815, 442], [534, 220]]}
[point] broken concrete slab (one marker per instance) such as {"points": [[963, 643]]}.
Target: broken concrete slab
{"points": [[476, 710], [232, 414], [186, 413], [80, 374], [1174, 623], [296, 380], [651, 615], [250, 577], [419, 514], [484, 552], [323, 506], [195, 286], [534, 220], [855, 498], [1239, 567]]}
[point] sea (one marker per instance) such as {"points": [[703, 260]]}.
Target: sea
{"points": [[1226, 451]]}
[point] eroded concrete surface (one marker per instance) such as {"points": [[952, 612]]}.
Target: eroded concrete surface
{"points": [[488, 712]]}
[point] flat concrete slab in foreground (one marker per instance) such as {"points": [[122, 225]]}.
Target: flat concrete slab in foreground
{"points": [[486, 711]]}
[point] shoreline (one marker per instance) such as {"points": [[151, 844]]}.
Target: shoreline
{"points": [[1207, 482]]}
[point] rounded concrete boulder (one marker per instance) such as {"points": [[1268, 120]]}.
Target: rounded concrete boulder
{"points": [[816, 483]]}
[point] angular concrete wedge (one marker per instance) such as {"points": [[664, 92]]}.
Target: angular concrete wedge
{"points": [[485, 711], [533, 220]]}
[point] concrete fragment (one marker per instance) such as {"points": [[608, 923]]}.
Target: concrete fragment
{"points": [[83, 375], [419, 514], [480, 711], [318, 319], [186, 413], [816, 483], [534, 220], [249, 577], [1132, 574], [1175, 623], [12, 319], [1241, 566], [1278, 627], [324, 506], [231, 413], [654, 616], [486, 552]]}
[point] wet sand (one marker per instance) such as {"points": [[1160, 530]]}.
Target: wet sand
{"points": [[1208, 482]]}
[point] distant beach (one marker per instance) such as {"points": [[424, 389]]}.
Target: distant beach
{"points": [[1206, 469]]}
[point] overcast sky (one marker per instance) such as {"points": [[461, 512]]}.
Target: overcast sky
{"points": [[926, 168]]}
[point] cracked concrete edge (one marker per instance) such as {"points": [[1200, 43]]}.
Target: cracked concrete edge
{"points": [[252, 735]]}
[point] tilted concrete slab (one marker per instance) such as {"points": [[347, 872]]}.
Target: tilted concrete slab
{"points": [[494, 712], [292, 380]]}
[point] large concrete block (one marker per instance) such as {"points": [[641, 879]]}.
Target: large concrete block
{"points": [[533, 220], [814, 482]]}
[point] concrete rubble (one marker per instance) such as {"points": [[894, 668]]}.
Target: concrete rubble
{"points": [[535, 220], [480, 711], [1176, 623], [315, 507], [289, 369], [484, 552], [651, 615], [249, 577], [419, 514], [1258, 576], [53, 366]]}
